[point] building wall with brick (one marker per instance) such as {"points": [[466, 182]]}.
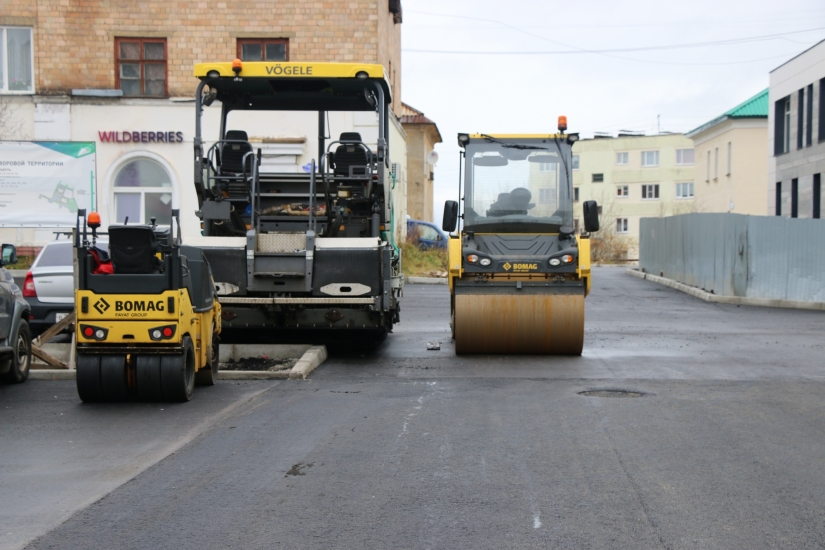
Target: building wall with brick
{"points": [[75, 39]]}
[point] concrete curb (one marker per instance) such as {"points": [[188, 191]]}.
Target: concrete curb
{"points": [[309, 361], [313, 357], [730, 300], [426, 280]]}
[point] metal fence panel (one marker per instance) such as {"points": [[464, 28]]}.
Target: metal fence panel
{"points": [[738, 255]]}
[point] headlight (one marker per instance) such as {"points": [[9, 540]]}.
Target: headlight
{"points": [[485, 261], [555, 262], [472, 258], [567, 258]]}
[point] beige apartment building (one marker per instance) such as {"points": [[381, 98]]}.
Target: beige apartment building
{"points": [[633, 177], [422, 135], [100, 72], [731, 171]]}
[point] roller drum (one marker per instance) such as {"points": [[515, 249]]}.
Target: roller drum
{"points": [[523, 324]]}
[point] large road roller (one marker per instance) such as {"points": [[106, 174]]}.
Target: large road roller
{"points": [[147, 316], [519, 269]]}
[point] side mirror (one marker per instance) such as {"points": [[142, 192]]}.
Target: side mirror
{"points": [[450, 220], [8, 254], [591, 216]]}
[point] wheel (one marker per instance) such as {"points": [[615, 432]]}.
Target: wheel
{"points": [[147, 374], [88, 378], [208, 375], [177, 373], [22, 358], [113, 381]]}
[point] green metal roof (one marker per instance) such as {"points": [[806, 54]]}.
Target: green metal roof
{"points": [[755, 106]]}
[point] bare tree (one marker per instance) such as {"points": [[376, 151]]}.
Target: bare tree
{"points": [[608, 245]]}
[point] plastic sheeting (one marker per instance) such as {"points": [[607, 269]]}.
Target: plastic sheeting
{"points": [[737, 255]]}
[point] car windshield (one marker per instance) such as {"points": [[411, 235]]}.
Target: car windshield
{"points": [[61, 254], [517, 185]]}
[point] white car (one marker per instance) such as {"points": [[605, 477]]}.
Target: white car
{"points": [[49, 284]]}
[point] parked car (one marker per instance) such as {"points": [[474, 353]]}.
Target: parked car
{"points": [[49, 284], [15, 336], [428, 235]]}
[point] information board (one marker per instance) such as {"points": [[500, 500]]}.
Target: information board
{"points": [[43, 183]]}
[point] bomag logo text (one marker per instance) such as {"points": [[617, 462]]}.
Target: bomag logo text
{"points": [[138, 305], [525, 267]]}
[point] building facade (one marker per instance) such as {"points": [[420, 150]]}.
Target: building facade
{"points": [[796, 135], [633, 177], [731, 174], [422, 135], [120, 74]]}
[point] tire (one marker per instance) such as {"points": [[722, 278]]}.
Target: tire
{"points": [[177, 374], [21, 361], [147, 374], [113, 381], [208, 375], [88, 378]]}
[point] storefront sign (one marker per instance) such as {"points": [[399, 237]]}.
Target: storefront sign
{"points": [[43, 183], [140, 137]]}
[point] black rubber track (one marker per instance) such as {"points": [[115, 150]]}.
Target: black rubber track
{"points": [[147, 375], [88, 378], [113, 381]]}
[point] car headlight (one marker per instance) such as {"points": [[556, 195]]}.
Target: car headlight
{"points": [[485, 261]]}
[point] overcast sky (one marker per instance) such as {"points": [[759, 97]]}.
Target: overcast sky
{"points": [[525, 92]]}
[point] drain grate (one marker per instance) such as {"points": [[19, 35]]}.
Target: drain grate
{"points": [[611, 393]]}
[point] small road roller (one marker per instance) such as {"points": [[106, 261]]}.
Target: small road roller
{"points": [[148, 321], [518, 268]]}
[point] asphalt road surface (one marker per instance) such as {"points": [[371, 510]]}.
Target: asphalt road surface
{"points": [[724, 447]]}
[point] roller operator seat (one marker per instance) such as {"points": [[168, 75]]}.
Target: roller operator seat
{"points": [[132, 249], [351, 159], [232, 153]]}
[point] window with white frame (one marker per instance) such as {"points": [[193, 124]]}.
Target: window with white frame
{"points": [[575, 194], [547, 167], [650, 191], [716, 163], [650, 158], [622, 191], [598, 178], [575, 162], [622, 158], [621, 225], [143, 190], [707, 178], [684, 190], [730, 147], [16, 60], [684, 156]]}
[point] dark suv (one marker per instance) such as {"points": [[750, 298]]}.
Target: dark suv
{"points": [[15, 336]]}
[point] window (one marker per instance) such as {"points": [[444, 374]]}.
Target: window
{"points": [[598, 178], [795, 198], [809, 129], [684, 156], [778, 199], [575, 162], [650, 191], [621, 159], [16, 60], [716, 164], [800, 118], [707, 178], [730, 162], [650, 158], [547, 167], [822, 110], [143, 190], [426, 233], [263, 49], [141, 66], [684, 190], [621, 225], [547, 195], [575, 194], [782, 126], [817, 196], [622, 191]]}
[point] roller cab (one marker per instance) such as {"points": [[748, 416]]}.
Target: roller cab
{"points": [[519, 270], [147, 318]]}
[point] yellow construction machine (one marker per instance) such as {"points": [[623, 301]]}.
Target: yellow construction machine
{"points": [[518, 268], [148, 319]]}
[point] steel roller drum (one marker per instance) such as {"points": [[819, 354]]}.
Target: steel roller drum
{"points": [[533, 324]]}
